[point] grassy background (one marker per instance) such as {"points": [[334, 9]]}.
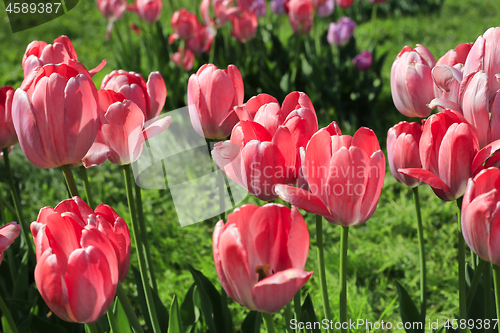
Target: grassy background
{"points": [[381, 251]]}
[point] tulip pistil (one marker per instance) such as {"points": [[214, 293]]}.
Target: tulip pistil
{"points": [[263, 271]]}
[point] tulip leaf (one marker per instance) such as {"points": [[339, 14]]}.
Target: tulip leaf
{"points": [[21, 283], [161, 311], [213, 308], [175, 322], [121, 318], [42, 325], [309, 316], [189, 312], [252, 322], [408, 310], [5, 326]]}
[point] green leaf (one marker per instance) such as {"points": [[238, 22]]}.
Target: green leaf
{"points": [[175, 322], [189, 312], [252, 322], [42, 325], [309, 315], [211, 304], [121, 318], [5, 325], [409, 312]]}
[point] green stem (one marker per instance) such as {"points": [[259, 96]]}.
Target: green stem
{"points": [[70, 180], [268, 319], [112, 320], [496, 277], [321, 263], [91, 328], [86, 186], [421, 247], [288, 317], [129, 183], [129, 310], [144, 237], [297, 306], [461, 267], [474, 283], [6, 312], [343, 276], [17, 205], [488, 301]]}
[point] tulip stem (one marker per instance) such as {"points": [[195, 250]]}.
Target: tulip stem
{"points": [[474, 283], [488, 313], [91, 328], [70, 180], [268, 318], [496, 277], [297, 306], [112, 320], [462, 296], [129, 310], [343, 276], [321, 263], [6, 313], [144, 238], [129, 183], [421, 248], [86, 186], [17, 205]]}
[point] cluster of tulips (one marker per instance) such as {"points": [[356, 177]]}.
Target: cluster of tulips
{"points": [[455, 150]]}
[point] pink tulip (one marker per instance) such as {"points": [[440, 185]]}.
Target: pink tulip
{"points": [[123, 132], [220, 11], [8, 234], [260, 254], [484, 56], [264, 147], [212, 94], [447, 149], [187, 59], [55, 114], [259, 8], [480, 215], [344, 3], [403, 150], [148, 10], [8, 136], [345, 175], [301, 15], [363, 61], [185, 24], [339, 33], [150, 96], [325, 8], [112, 10], [81, 255], [244, 24], [412, 85], [279, 6], [39, 53]]}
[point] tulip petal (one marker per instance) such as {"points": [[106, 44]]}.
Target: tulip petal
{"points": [[298, 240], [296, 100], [443, 75], [8, 234], [219, 227], [274, 292], [253, 104], [156, 127], [375, 181], [483, 155], [157, 92], [246, 131], [227, 156], [317, 163], [427, 177], [445, 104], [366, 139], [302, 199]]}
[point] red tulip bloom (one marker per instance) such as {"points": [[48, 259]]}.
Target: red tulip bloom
{"points": [[480, 215], [412, 85], [448, 147], [344, 3], [8, 234], [264, 147], [301, 15], [403, 150], [345, 176], [123, 132], [244, 24], [212, 94], [8, 136], [55, 114], [112, 10], [39, 53], [187, 61], [81, 256], [260, 254], [185, 24], [148, 10]]}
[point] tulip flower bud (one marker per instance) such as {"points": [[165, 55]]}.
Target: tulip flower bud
{"points": [[112, 10], [8, 136], [81, 256], [279, 6], [363, 61], [244, 24], [326, 8], [148, 10], [301, 15], [403, 150], [8, 234], [340, 32], [412, 85], [260, 254]]}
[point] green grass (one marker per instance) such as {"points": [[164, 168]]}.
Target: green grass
{"points": [[380, 252]]}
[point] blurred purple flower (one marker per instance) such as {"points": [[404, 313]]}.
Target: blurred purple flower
{"points": [[259, 8], [363, 61], [326, 9], [340, 32], [278, 6]]}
